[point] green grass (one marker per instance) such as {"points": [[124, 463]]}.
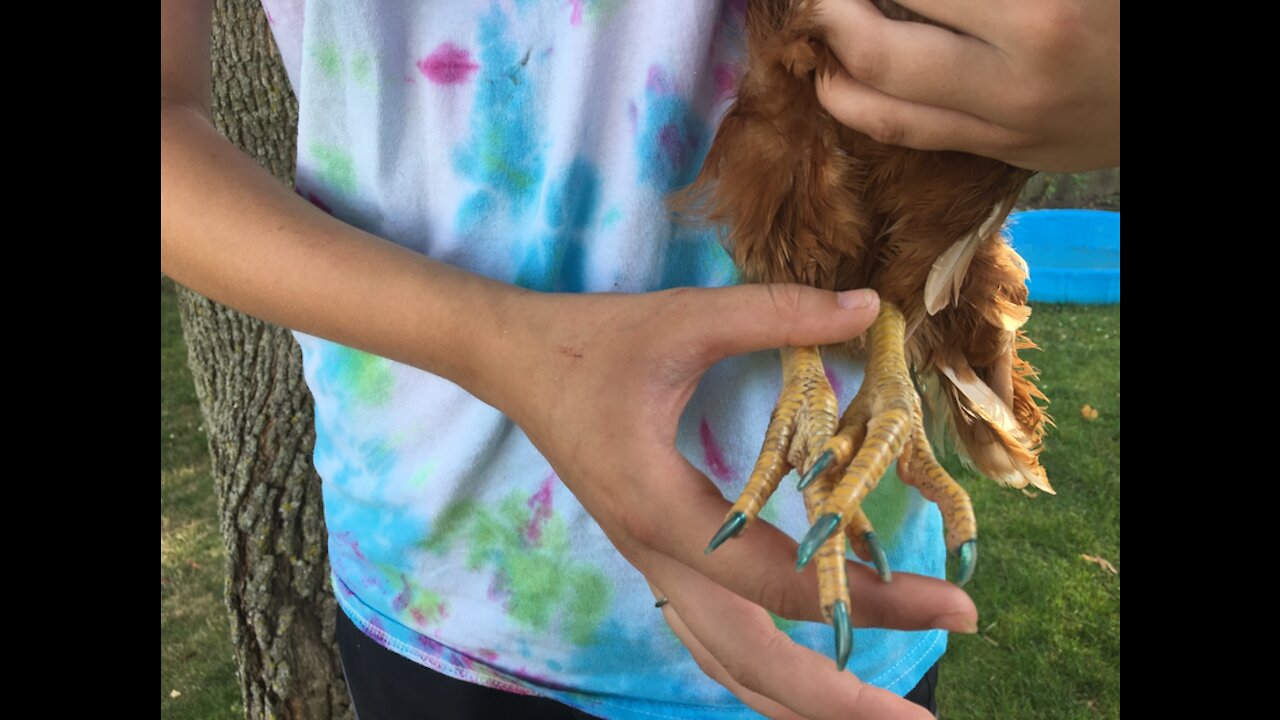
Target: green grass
{"points": [[195, 649], [1050, 640], [1049, 645]]}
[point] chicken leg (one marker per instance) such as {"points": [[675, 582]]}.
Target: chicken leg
{"points": [[841, 467]]}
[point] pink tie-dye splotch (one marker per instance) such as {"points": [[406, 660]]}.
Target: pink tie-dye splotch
{"points": [[540, 503], [713, 454], [448, 65], [657, 81], [673, 144], [575, 13], [401, 600], [725, 81]]}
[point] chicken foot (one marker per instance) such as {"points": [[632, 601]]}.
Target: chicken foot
{"points": [[884, 422], [841, 467], [803, 420], [806, 411]]}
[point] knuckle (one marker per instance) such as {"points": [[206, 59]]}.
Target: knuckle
{"points": [[1053, 28], [779, 596], [787, 299], [788, 305], [776, 643], [866, 61], [888, 129], [640, 525], [825, 87], [744, 670], [708, 666], [1036, 102], [749, 670]]}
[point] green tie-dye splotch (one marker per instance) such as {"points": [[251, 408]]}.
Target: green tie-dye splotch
{"points": [[328, 59], [334, 167], [355, 375], [525, 545]]}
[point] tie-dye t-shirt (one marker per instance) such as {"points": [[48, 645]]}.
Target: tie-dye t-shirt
{"points": [[535, 143]]}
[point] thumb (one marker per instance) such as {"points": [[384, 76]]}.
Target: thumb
{"points": [[746, 318]]}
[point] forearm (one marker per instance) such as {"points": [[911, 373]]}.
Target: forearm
{"points": [[232, 232]]}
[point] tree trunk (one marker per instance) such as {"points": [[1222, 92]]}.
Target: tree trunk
{"points": [[258, 412]]}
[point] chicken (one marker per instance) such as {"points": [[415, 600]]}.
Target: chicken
{"points": [[804, 199]]}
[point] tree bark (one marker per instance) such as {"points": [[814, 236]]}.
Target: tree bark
{"points": [[261, 429]]}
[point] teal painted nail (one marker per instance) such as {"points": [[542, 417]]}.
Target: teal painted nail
{"points": [[878, 558], [968, 560], [844, 634], [824, 528], [730, 528], [816, 469]]}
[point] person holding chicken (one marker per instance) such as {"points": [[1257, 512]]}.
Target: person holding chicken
{"points": [[533, 390]]}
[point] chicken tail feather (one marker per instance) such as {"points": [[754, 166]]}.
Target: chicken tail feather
{"points": [[999, 440]]}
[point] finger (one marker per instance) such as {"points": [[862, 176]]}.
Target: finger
{"points": [[763, 660], [910, 602], [716, 671], [973, 17], [893, 121], [746, 318], [759, 565], [659, 599], [915, 62]]}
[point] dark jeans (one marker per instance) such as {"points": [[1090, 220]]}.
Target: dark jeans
{"points": [[386, 686]]}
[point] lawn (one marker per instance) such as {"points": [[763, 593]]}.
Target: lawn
{"points": [[1049, 645], [195, 646]]}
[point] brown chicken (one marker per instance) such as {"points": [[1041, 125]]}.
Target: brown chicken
{"points": [[804, 199]]}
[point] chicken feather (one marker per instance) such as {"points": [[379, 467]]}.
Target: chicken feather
{"points": [[801, 198]]}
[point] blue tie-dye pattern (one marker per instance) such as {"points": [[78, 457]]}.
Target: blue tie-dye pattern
{"points": [[327, 374], [696, 258], [379, 530], [371, 458], [670, 146], [615, 673], [557, 262], [504, 155], [672, 140], [504, 152]]}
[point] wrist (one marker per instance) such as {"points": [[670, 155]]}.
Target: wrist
{"points": [[499, 347]]}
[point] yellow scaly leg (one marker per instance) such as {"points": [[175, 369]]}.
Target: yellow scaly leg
{"points": [[919, 468], [806, 410], [882, 423]]}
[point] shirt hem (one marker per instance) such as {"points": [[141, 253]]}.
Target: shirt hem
{"points": [[905, 674]]}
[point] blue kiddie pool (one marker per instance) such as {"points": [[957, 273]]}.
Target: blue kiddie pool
{"points": [[1073, 255]]}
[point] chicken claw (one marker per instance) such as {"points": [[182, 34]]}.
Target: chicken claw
{"points": [[883, 422], [840, 468], [806, 410]]}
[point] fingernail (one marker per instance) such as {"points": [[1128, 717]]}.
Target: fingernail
{"points": [[956, 622], [855, 299]]}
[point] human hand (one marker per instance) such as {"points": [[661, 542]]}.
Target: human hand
{"points": [[1036, 85], [599, 385]]}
